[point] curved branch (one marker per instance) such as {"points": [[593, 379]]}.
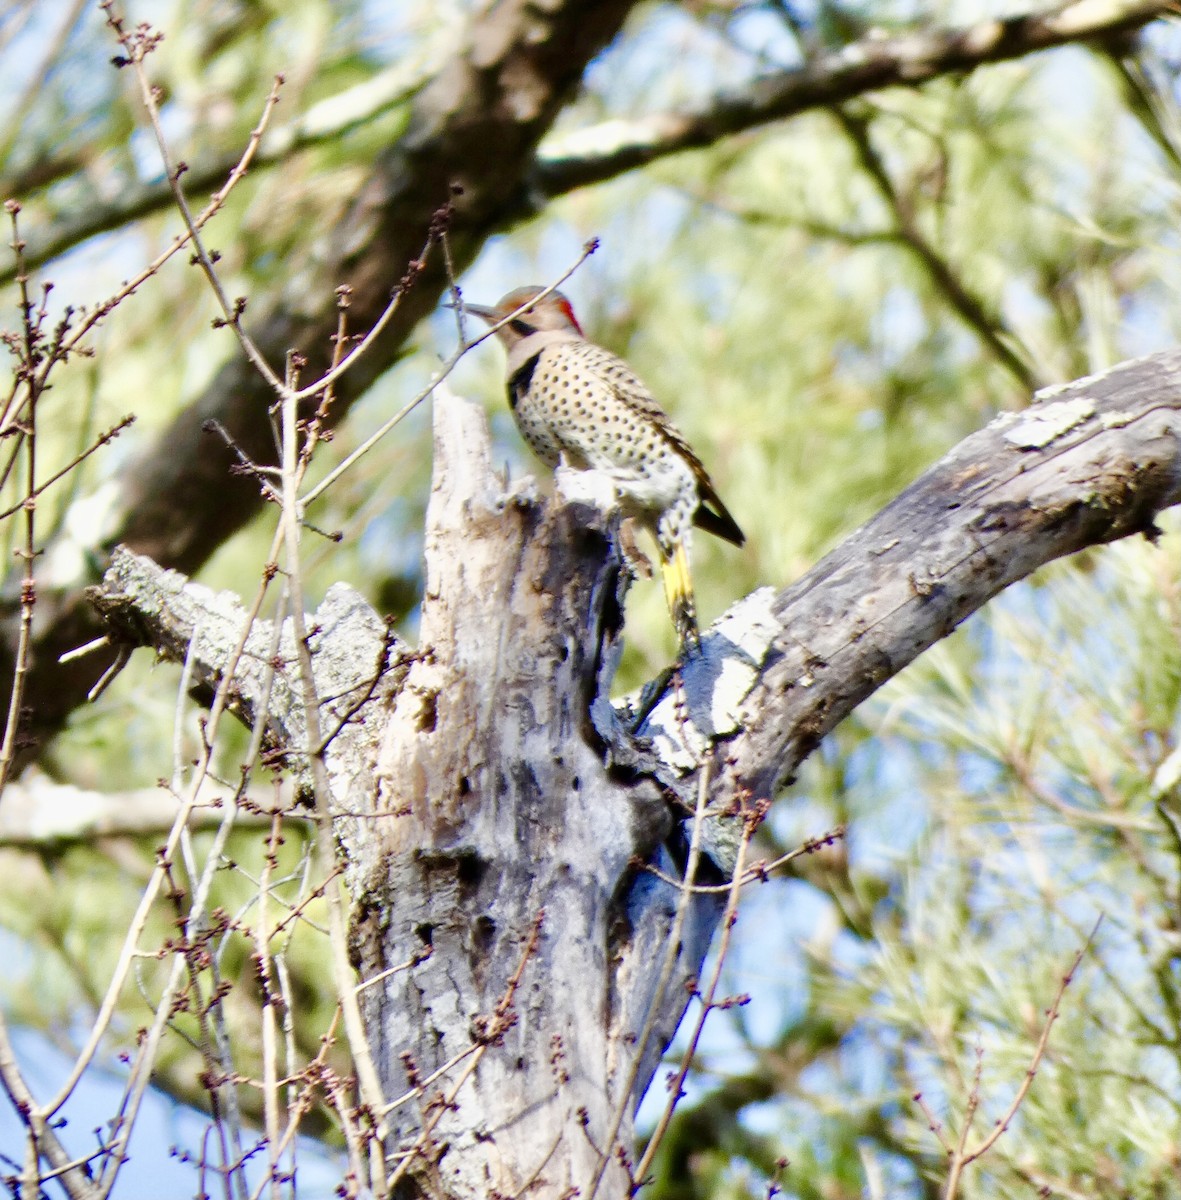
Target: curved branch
{"points": [[601, 152], [593, 155], [1091, 462], [1094, 461]]}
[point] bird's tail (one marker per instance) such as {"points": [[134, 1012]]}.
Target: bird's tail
{"points": [[678, 592]]}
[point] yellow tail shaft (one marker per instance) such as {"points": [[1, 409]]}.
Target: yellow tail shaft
{"points": [[678, 592]]}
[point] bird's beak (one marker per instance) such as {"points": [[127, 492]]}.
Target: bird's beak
{"points": [[485, 314], [476, 310]]}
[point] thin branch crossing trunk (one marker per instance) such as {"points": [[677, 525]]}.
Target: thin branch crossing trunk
{"points": [[496, 816]]}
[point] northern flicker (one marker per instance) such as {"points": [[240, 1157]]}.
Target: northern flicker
{"points": [[581, 407]]}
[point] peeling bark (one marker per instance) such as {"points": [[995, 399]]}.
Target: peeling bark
{"points": [[1089, 462], [507, 798]]}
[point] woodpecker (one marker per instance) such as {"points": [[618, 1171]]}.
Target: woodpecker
{"points": [[582, 408]]}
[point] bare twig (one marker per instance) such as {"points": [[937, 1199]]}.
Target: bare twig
{"points": [[264, 968], [758, 872], [138, 44], [349, 460], [671, 953], [147, 1051], [31, 354], [294, 466], [42, 1137], [962, 1156], [751, 822], [103, 439]]}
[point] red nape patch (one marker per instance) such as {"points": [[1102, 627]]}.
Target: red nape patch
{"points": [[564, 305]]}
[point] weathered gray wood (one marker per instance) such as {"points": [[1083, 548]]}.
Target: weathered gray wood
{"points": [[501, 809], [1087, 463], [356, 661], [507, 792]]}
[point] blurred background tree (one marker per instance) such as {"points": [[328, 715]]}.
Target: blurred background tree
{"points": [[825, 304]]}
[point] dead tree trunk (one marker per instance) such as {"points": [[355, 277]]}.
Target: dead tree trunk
{"points": [[503, 842], [494, 814]]}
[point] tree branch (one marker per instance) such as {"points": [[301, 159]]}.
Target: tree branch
{"points": [[1088, 463], [357, 663], [43, 815], [476, 125], [604, 151]]}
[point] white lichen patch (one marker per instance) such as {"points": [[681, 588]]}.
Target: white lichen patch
{"points": [[716, 683], [1051, 390], [743, 635], [678, 743], [1040, 426]]}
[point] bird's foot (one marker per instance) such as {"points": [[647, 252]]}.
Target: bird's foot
{"points": [[638, 563]]}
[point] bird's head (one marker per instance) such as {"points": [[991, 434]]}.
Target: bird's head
{"points": [[550, 313]]}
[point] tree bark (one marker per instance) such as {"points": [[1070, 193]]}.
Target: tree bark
{"points": [[835, 76], [1087, 463], [477, 122], [497, 815], [492, 829], [476, 125]]}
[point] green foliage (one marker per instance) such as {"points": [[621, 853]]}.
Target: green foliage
{"points": [[825, 307]]}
